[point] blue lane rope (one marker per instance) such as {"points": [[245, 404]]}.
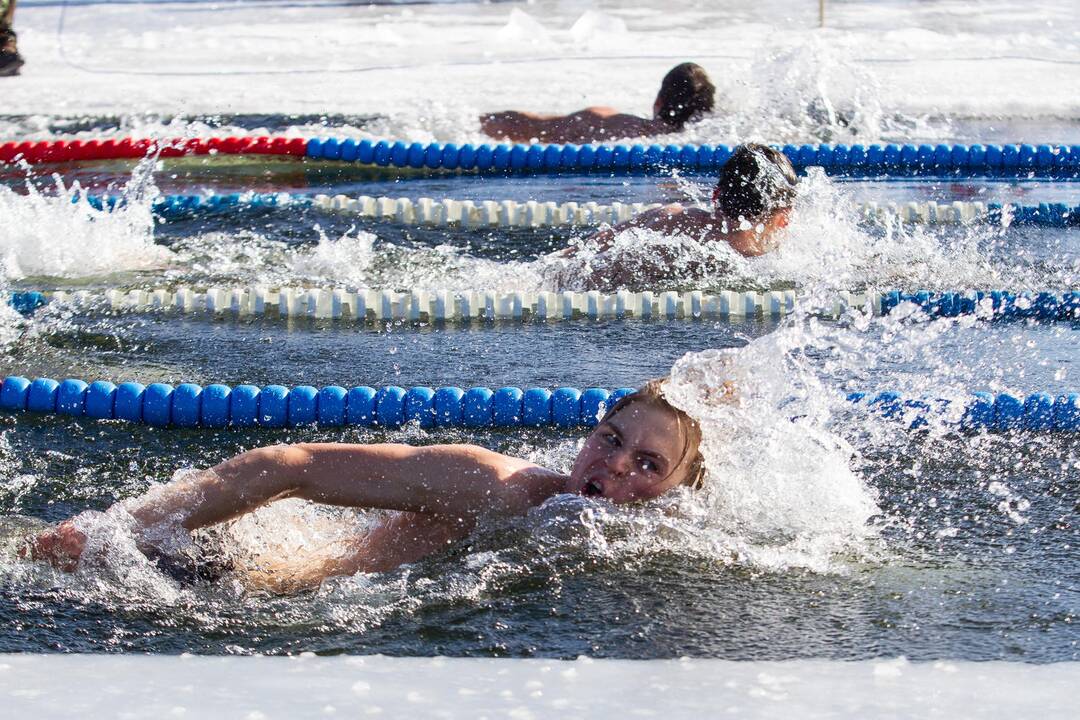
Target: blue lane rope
{"points": [[1004, 304], [991, 305], [276, 406], [857, 160], [170, 207]]}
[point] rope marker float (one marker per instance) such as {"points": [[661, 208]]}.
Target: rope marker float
{"points": [[275, 406]]}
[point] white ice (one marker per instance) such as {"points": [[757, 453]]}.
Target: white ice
{"points": [[265, 688], [432, 67]]}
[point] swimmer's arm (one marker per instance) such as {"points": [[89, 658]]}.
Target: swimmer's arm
{"points": [[460, 480]]}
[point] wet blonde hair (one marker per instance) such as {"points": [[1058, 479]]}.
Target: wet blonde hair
{"points": [[652, 393]]}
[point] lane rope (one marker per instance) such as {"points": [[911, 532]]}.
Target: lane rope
{"points": [[535, 214], [423, 306], [276, 406], [856, 160]]}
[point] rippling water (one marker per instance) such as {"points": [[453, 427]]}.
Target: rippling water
{"points": [[823, 532]]}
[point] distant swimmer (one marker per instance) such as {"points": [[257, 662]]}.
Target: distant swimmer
{"points": [[685, 96], [752, 202], [643, 447]]}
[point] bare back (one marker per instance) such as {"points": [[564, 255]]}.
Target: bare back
{"points": [[588, 125]]}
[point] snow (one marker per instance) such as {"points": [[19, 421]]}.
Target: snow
{"points": [[132, 686], [433, 67]]}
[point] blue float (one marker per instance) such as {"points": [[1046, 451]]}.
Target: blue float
{"points": [[331, 405], [14, 393], [187, 405], [979, 413], [129, 401], [244, 406], [447, 404], [157, 404], [273, 406], [348, 151], [71, 398], [594, 402], [566, 407], [101, 400], [1008, 412], [390, 406], [214, 412], [536, 407], [420, 406], [1067, 412], [476, 407], [42, 397], [507, 407], [303, 406], [1039, 412], [360, 406]]}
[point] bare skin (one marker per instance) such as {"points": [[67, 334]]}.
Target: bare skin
{"points": [[589, 125], [700, 224], [674, 220], [438, 492]]}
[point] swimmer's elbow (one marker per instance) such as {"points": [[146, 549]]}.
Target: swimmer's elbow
{"points": [[283, 456], [279, 467]]}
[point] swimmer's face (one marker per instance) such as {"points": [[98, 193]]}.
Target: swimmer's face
{"points": [[633, 455]]}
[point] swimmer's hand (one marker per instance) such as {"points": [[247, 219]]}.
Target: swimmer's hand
{"points": [[61, 546]]}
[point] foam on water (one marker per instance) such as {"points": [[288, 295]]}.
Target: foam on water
{"points": [[60, 235]]}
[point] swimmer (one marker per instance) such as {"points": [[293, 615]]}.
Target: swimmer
{"points": [[642, 448], [752, 202], [686, 95]]}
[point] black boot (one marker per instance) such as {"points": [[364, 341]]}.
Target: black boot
{"points": [[10, 59]]}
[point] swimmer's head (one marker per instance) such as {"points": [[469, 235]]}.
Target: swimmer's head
{"points": [[686, 94], [643, 447], [756, 184]]}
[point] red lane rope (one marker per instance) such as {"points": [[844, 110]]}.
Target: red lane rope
{"points": [[57, 151]]}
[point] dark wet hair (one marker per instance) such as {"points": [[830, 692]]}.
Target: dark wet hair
{"points": [[756, 182], [652, 393], [686, 94]]}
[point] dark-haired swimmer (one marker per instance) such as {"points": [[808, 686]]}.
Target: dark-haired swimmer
{"points": [[686, 94], [751, 202], [643, 447]]}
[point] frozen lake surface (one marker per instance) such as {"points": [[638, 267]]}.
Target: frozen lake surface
{"points": [[266, 688]]}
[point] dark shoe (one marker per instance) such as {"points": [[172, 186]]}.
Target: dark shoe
{"points": [[10, 62]]}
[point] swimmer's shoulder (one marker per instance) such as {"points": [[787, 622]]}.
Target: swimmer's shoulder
{"points": [[503, 465], [531, 483]]}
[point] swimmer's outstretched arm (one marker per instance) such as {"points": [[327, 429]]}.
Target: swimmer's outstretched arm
{"points": [[456, 481], [461, 480]]}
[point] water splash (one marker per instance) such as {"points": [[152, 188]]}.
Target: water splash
{"points": [[61, 235], [810, 91], [826, 247]]}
